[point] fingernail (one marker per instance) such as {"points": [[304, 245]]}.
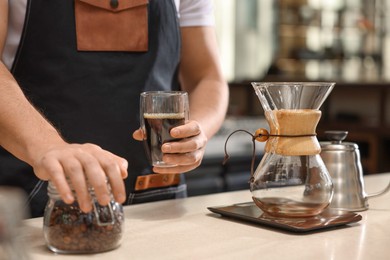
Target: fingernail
{"points": [[120, 198], [125, 164], [86, 208], [175, 132], [69, 198], [166, 148]]}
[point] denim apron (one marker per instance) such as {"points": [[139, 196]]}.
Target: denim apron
{"points": [[92, 96]]}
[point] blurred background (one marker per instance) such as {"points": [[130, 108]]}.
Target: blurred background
{"points": [[313, 39], [344, 41]]}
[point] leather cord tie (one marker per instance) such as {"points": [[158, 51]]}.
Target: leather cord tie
{"points": [[261, 135]]}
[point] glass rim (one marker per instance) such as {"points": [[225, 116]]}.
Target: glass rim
{"points": [[164, 93], [321, 83]]}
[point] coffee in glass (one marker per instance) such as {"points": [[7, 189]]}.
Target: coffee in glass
{"points": [[160, 112]]}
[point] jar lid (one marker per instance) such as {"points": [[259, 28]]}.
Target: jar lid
{"points": [[335, 142]]}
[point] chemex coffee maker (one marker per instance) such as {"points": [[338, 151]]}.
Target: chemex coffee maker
{"points": [[291, 179], [299, 177]]}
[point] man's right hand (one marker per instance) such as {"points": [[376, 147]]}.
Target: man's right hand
{"points": [[30, 137], [83, 166]]}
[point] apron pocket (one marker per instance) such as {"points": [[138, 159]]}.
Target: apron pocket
{"points": [[112, 25]]}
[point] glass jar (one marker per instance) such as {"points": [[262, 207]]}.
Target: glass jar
{"points": [[67, 229]]}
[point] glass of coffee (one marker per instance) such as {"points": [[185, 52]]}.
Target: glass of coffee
{"points": [[160, 111]]}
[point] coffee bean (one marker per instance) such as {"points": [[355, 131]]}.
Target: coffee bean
{"points": [[69, 230]]}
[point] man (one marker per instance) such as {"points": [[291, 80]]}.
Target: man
{"points": [[83, 68]]}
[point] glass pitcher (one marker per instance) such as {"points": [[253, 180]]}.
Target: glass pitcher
{"points": [[291, 179]]}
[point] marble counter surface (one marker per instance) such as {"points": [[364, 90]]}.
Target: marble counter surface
{"points": [[186, 229]]}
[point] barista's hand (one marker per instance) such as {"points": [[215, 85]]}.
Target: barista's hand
{"points": [[82, 163], [187, 153]]}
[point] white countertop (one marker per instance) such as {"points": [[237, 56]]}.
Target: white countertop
{"points": [[186, 229]]}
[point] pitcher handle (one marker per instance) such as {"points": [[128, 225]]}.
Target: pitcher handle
{"points": [[376, 194]]}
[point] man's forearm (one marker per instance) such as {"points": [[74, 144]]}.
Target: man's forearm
{"points": [[208, 105], [23, 130]]}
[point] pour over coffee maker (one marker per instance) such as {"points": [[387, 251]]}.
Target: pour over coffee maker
{"points": [[291, 179]]}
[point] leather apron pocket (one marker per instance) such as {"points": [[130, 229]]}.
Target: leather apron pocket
{"points": [[112, 25]]}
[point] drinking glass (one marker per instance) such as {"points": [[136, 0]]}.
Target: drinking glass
{"points": [[160, 111]]}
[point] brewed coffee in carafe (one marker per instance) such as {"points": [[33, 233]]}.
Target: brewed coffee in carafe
{"points": [[291, 179]]}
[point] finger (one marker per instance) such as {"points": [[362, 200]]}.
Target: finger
{"points": [[138, 135], [96, 177], [184, 158], [176, 169], [123, 165], [114, 171], [74, 171], [184, 145], [51, 169], [192, 128]]}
